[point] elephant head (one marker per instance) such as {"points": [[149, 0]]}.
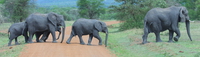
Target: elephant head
{"points": [[101, 27], [184, 17], [57, 20]]}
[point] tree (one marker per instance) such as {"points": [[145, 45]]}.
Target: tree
{"points": [[132, 12], [193, 6], [90, 8], [17, 10]]}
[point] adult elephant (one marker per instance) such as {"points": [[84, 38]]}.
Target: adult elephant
{"points": [[44, 22], [16, 30], [161, 19], [88, 26]]}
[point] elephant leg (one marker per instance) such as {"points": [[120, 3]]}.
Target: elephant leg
{"points": [[171, 34], [81, 40], [38, 36], [177, 35], [10, 39], [16, 42], [158, 37], [69, 39], [46, 37], [26, 39], [53, 36], [30, 37], [144, 37], [98, 37], [90, 39]]}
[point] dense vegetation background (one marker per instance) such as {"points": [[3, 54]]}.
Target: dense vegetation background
{"points": [[131, 12]]}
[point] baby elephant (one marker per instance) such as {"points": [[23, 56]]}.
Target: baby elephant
{"points": [[89, 27], [16, 30]]}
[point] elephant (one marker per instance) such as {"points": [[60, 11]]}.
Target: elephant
{"points": [[16, 30], [161, 19], [37, 23], [88, 26], [46, 34]]}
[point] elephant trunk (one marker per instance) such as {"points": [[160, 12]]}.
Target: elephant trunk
{"points": [[63, 32], [106, 38], [188, 28]]}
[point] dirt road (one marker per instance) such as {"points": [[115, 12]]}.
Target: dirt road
{"points": [[74, 49]]}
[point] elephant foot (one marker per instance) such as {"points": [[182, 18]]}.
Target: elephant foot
{"points": [[30, 42], [17, 44], [54, 41], [176, 39], [100, 43], [82, 43], [37, 41], [68, 42], [41, 41], [9, 45], [89, 44], [44, 40], [170, 41], [144, 42]]}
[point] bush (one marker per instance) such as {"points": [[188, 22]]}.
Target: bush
{"points": [[16, 10], [108, 15]]}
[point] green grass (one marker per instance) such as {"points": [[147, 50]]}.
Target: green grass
{"points": [[12, 51], [128, 43]]}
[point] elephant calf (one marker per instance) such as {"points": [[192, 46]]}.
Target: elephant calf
{"points": [[89, 27], [16, 30]]}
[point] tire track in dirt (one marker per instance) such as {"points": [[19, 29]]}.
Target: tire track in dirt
{"points": [[49, 49]]}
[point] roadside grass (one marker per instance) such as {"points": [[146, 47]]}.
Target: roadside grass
{"points": [[128, 43], [14, 50]]}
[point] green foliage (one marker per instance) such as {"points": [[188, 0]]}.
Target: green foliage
{"points": [[132, 12], [108, 15], [17, 10], [193, 7], [90, 8], [2, 1]]}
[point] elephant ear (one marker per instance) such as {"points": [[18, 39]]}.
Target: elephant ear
{"points": [[181, 14], [98, 26], [52, 18]]}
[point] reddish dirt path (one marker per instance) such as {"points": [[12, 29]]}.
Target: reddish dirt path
{"points": [[74, 49]]}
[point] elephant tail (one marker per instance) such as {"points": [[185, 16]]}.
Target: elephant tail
{"points": [[8, 33], [73, 31], [25, 28]]}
